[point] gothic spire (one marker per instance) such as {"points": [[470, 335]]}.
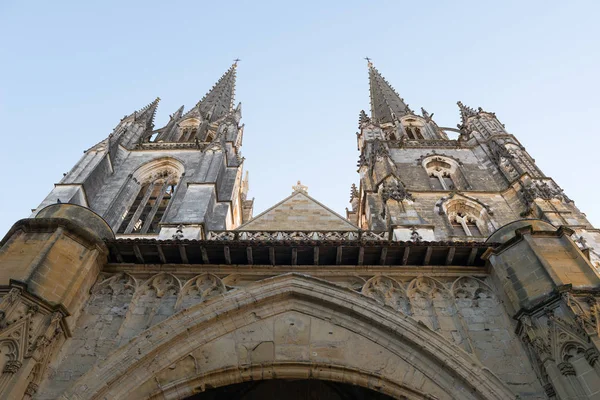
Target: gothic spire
{"points": [[145, 116], [386, 104], [177, 114], [219, 100], [465, 112]]}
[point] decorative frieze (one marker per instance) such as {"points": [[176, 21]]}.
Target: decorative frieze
{"points": [[297, 235]]}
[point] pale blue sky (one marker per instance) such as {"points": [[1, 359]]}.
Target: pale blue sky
{"points": [[71, 70]]}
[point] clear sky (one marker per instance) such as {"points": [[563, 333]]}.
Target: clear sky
{"points": [[71, 70]]}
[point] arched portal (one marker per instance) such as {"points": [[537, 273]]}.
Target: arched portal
{"points": [[289, 327], [291, 389]]}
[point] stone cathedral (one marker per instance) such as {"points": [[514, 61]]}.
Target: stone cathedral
{"points": [[460, 270]]}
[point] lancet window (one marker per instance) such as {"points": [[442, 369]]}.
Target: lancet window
{"points": [[465, 225], [413, 128], [150, 204], [413, 132], [189, 129]]}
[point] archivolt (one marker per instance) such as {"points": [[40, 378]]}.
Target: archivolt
{"points": [[428, 354]]}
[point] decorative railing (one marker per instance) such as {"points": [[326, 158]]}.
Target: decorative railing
{"points": [[297, 235], [435, 143]]}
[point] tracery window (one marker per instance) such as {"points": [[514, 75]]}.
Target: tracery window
{"points": [[150, 204], [468, 218], [464, 225], [444, 173]]}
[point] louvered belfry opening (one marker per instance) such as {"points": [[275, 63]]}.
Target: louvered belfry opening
{"points": [[149, 206]]}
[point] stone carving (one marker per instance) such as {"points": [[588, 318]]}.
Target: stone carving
{"points": [[162, 284], [591, 355], [566, 369], [541, 189], [115, 285], [178, 235], [425, 144], [427, 297], [31, 389], [43, 343], [394, 190], [220, 235], [478, 293], [584, 311], [296, 235], [389, 292], [353, 192], [6, 304], [199, 289], [299, 187], [414, 235], [370, 235], [12, 367]]}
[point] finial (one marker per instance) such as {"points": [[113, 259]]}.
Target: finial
{"points": [[353, 192], [235, 62], [369, 63], [362, 117], [299, 187]]}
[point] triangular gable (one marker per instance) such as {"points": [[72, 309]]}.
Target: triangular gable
{"points": [[298, 212]]}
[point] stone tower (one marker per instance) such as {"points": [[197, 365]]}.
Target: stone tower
{"points": [[415, 181], [181, 179], [460, 272]]}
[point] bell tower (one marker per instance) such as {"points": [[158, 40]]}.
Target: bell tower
{"points": [[177, 181], [419, 184]]}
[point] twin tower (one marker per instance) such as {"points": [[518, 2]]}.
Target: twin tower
{"points": [[186, 178], [460, 270]]}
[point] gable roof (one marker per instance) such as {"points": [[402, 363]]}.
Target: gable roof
{"points": [[298, 212]]}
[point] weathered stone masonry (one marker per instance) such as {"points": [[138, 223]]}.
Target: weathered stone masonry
{"points": [[460, 271]]}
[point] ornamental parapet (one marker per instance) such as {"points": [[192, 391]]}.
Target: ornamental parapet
{"points": [[298, 235]]}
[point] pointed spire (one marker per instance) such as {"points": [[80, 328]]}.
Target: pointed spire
{"points": [[386, 104], [177, 114], [465, 112], [146, 114], [219, 100], [363, 118]]}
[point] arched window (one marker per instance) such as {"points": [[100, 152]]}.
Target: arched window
{"points": [[464, 225], [150, 204], [413, 128], [189, 129], [468, 218], [413, 132], [444, 173]]}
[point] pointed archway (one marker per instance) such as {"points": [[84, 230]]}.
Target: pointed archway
{"points": [[289, 327]]}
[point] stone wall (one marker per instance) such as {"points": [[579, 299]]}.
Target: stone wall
{"points": [[463, 311]]}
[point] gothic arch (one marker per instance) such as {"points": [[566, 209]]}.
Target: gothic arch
{"points": [[466, 211], [116, 284], [417, 362], [199, 289], [147, 170], [147, 195], [468, 287], [387, 291], [446, 170]]}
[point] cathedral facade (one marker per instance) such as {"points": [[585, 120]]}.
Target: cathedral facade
{"points": [[460, 270]]}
